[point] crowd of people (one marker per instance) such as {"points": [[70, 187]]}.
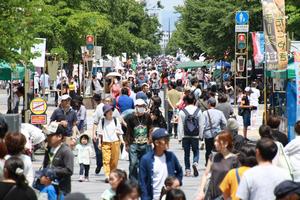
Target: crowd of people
{"points": [[199, 114]]}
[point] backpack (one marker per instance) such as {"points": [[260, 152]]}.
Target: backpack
{"points": [[191, 123], [102, 121]]}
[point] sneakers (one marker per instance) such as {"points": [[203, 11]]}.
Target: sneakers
{"points": [[106, 180], [195, 169], [86, 179], [188, 173], [97, 170], [81, 178]]}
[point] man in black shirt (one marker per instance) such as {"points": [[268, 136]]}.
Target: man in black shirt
{"points": [[137, 137]]}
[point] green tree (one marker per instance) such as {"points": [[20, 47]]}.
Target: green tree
{"points": [[208, 25]]}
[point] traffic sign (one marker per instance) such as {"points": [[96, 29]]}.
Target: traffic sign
{"points": [[242, 17], [242, 28], [38, 119], [38, 106]]}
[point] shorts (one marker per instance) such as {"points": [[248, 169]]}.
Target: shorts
{"points": [[246, 118]]}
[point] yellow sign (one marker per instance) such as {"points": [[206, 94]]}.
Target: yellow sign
{"points": [[38, 106]]}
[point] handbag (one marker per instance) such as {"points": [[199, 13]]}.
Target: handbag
{"points": [[283, 161]]}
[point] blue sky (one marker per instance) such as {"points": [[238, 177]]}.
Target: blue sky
{"points": [[167, 13]]}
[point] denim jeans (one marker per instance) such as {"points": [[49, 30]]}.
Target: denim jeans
{"points": [[98, 153], [136, 152], [85, 169], [187, 144]]}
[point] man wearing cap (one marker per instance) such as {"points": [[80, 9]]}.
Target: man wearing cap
{"points": [[59, 156], [137, 137], [214, 122], [65, 115], [157, 165]]}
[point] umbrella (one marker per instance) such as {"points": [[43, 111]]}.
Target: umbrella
{"points": [[191, 64], [113, 74], [7, 72], [221, 64]]}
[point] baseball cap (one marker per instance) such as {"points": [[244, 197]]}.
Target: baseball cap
{"points": [[211, 101], [65, 97], [140, 102], [48, 172], [287, 187], [159, 133], [247, 89], [107, 108], [55, 128]]}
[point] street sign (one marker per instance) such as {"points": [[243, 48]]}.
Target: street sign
{"points": [[242, 28], [38, 106], [242, 17], [38, 119]]}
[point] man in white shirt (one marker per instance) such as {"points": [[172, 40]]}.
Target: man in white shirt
{"points": [[254, 101], [157, 165], [45, 83], [259, 182], [190, 129]]}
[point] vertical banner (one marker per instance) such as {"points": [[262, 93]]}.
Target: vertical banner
{"points": [[275, 34], [40, 51], [297, 72], [258, 42]]}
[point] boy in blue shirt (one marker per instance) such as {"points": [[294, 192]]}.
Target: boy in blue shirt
{"points": [[46, 181]]}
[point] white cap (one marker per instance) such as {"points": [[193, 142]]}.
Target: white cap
{"points": [[52, 128], [65, 97], [247, 89], [140, 102]]}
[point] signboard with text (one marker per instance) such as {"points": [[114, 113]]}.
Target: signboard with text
{"points": [[275, 34]]}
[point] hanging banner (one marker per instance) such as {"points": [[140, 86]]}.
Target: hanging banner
{"points": [[258, 42], [275, 34], [40, 50], [297, 72]]}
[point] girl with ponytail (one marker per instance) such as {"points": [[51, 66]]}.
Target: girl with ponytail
{"points": [[14, 185]]}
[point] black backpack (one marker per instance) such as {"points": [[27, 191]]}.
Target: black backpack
{"points": [[102, 121], [191, 123]]}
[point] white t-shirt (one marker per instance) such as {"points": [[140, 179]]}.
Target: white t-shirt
{"points": [[259, 182], [254, 96], [160, 173], [109, 131]]}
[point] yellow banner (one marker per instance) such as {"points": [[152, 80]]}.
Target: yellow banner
{"points": [[275, 34]]}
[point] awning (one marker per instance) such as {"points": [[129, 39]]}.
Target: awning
{"points": [[10, 72]]}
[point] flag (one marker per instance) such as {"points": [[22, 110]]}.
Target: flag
{"points": [[258, 43], [275, 34]]}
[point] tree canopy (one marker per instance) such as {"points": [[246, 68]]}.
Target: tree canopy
{"points": [[119, 26], [208, 25]]}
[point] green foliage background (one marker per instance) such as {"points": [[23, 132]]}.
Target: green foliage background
{"points": [[118, 25], [208, 25]]}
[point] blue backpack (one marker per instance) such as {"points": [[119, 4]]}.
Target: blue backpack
{"points": [[191, 123]]}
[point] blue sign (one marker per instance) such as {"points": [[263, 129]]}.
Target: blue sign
{"points": [[242, 17]]}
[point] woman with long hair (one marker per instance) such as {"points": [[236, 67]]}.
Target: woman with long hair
{"points": [[218, 165]]}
